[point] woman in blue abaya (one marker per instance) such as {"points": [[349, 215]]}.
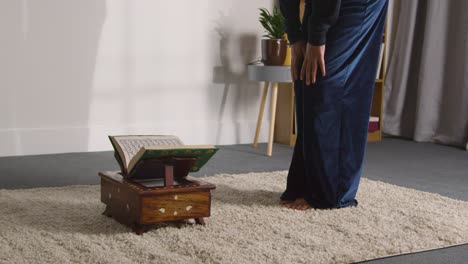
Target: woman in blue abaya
{"points": [[334, 62]]}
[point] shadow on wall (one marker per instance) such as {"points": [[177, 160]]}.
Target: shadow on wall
{"points": [[235, 83], [48, 58]]}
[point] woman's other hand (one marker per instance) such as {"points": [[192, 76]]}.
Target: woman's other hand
{"points": [[314, 58], [298, 50]]}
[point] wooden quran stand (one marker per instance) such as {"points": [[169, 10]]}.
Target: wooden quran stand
{"points": [[133, 202]]}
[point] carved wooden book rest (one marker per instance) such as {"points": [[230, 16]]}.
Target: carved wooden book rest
{"points": [[158, 190]]}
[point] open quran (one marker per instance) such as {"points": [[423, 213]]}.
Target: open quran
{"points": [[130, 151]]}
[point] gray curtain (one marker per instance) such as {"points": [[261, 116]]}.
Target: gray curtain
{"points": [[426, 89]]}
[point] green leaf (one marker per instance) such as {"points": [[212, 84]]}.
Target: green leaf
{"points": [[273, 23]]}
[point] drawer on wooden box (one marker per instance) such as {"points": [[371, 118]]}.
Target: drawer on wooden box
{"points": [[163, 207], [137, 205]]}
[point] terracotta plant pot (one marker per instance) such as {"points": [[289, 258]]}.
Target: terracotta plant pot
{"points": [[274, 51]]}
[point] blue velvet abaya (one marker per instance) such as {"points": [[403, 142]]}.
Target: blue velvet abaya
{"points": [[333, 113]]}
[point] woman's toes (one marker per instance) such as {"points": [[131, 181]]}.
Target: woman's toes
{"points": [[298, 204]]}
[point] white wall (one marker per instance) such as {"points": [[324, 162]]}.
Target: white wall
{"points": [[72, 72]]}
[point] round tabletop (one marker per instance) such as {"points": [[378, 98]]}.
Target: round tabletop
{"points": [[264, 73]]}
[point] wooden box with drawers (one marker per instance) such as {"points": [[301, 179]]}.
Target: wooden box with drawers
{"points": [[140, 203]]}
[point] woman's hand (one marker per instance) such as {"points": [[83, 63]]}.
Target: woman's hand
{"points": [[314, 59], [297, 58]]}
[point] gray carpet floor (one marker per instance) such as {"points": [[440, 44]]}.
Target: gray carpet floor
{"points": [[422, 166]]}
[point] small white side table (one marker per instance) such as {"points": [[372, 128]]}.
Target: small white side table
{"points": [[269, 75]]}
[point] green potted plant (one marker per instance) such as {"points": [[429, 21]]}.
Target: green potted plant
{"points": [[274, 46]]}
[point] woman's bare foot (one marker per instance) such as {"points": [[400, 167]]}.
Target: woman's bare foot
{"points": [[299, 204], [285, 202]]}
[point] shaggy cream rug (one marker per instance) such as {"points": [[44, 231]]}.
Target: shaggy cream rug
{"points": [[65, 225]]}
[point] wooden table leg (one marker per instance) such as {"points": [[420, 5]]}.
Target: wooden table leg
{"points": [[139, 229], [107, 212], [274, 96], [260, 113], [200, 221]]}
